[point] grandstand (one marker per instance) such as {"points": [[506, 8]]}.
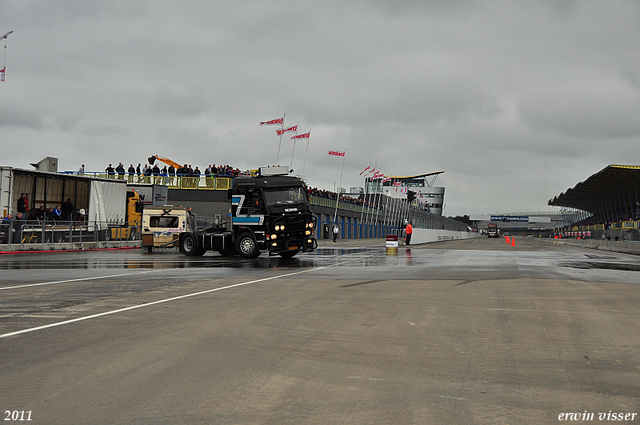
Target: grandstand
{"points": [[427, 196], [608, 203]]}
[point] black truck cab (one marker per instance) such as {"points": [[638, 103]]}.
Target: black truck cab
{"points": [[270, 213]]}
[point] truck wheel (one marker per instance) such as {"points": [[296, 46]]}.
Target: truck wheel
{"points": [[246, 246], [189, 245], [289, 254]]}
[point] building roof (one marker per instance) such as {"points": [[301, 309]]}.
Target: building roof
{"points": [[416, 176], [613, 189]]}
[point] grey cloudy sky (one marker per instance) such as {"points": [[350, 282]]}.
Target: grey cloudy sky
{"points": [[515, 100]]}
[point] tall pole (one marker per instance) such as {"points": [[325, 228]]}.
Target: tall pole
{"points": [[395, 206], [305, 156], [292, 154], [379, 198], [387, 207], [369, 205], [394, 215], [367, 198], [294, 149], [4, 37], [408, 206], [280, 143], [364, 199], [335, 215]]}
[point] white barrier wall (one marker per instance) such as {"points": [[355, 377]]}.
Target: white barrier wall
{"points": [[433, 235], [629, 247]]}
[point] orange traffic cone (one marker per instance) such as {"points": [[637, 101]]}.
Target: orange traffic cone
{"points": [[513, 241], [507, 239]]}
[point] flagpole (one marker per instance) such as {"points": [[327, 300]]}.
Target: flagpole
{"points": [[374, 204], [370, 218], [335, 215], [294, 148], [364, 201], [379, 199], [387, 206], [305, 154], [408, 205], [394, 220], [367, 197], [368, 192], [375, 194], [400, 208], [280, 143]]}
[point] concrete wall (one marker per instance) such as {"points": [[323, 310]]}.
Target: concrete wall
{"points": [[436, 235], [629, 247]]}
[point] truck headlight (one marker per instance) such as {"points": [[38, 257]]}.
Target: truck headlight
{"points": [[308, 232], [309, 225], [274, 236], [279, 227]]}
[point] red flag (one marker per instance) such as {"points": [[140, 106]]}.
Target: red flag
{"points": [[286, 130], [337, 153], [378, 175], [365, 169], [273, 122], [386, 180], [2, 74], [302, 136]]}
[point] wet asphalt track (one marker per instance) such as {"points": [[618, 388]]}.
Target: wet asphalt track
{"points": [[471, 331]]}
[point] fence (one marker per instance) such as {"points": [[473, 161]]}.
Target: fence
{"points": [[189, 181], [388, 218], [620, 231], [39, 235]]}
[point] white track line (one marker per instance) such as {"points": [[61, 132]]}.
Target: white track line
{"points": [[72, 280], [166, 300]]}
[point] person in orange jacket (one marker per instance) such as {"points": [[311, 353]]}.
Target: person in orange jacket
{"points": [[408, 231]]}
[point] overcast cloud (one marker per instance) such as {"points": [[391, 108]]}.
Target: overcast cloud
{"points": [[516, 100]]}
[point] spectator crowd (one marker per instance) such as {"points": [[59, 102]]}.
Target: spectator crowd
{"points": [[367, 203], [169, 172]]}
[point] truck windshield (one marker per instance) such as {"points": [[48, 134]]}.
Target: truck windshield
{"points": [[294, 195], [164, 221]]}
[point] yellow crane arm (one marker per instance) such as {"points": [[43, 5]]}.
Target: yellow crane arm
{"points": [[167, 161]]}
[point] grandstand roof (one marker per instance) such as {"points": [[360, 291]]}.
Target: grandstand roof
{"points": [[416, 176], [614, 188]]}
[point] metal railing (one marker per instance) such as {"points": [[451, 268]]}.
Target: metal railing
{"points": [[393, 215], [34, 234], [189, 181], [321, 201], [619, 230]]}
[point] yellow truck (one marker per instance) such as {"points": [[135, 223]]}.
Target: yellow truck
{"points": [[129, 228]]}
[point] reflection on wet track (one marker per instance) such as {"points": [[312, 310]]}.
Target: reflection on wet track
{"points": [[173, 260], [325, 256]]}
